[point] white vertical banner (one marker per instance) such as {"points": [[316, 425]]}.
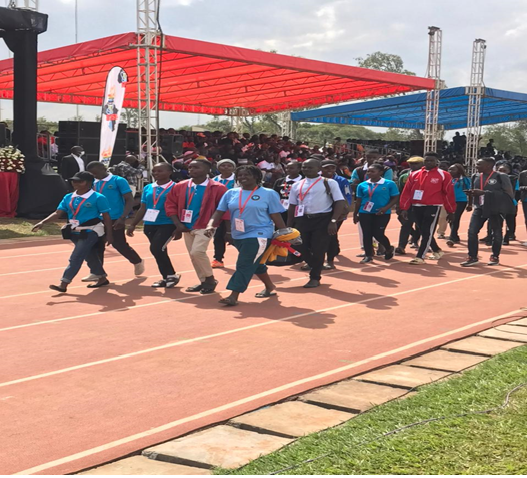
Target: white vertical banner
{"points": [[111, 111]]}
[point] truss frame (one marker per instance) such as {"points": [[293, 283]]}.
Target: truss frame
{"points": [[475, 94], [148, 46], [432, 96]]}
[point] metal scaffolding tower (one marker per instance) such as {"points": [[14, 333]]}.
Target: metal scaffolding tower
{"points": [[432, 96], [288, 126], [475, 93], [148, 46]]}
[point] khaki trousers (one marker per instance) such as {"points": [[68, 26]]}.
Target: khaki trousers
{"points": [[442, 222], [197, 244]]}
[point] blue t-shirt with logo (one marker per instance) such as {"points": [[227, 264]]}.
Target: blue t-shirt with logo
{"points": [[147, 198], [256, 214], [460, 186], [89, 208], [194, 202], [345, 188], [114, 189], [382, 193]]}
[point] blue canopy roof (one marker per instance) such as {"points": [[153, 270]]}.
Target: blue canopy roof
{"points": [[408, 111]]}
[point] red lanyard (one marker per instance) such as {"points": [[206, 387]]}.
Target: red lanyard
{"points": [[189, 195], [100, 190], [371, 190], [156, 199], [302, 197], [242, 208], [76, 211], [481, 185]]}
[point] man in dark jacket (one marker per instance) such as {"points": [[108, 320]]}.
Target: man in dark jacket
{"points": [[491, 195], [73, 164]]}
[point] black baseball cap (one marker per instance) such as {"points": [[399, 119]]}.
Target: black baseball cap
{"points": [[83, 176]]}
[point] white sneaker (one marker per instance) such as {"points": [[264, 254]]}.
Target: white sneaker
{"points": [[91, 278], [435, 256], [417, 260], [139, 268]]}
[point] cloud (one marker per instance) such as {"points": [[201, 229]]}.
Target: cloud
{"points": [[331, 30]]}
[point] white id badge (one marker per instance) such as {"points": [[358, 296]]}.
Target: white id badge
{"points": [[285, 203], [299, 211], [482, 200], [151, 215], [239, 225], [187, 215], [368, 206], [418, 194], [74, 223]]}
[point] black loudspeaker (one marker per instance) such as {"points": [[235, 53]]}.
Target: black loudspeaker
{"points": [[88, 135], [3, 135], [417, 147]]}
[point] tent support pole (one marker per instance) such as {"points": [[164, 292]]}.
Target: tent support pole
{"points": [[432, 96], [475, 93], [148, 44]]}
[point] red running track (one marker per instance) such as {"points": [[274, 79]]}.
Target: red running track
{"points": [[93, 375]]}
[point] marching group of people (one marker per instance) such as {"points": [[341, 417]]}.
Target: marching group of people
{"points": [[232, 201]]}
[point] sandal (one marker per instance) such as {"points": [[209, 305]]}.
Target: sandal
{"points": [[57, 289], [159, 283], [265, 293], [196, 288], [206, 289], [172, 281], [97, 285], [229, 302]]}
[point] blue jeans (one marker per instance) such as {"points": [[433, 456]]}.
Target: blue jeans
{"points": [[85, 250]]}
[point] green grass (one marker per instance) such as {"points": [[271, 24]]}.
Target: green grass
{"points": [[477, 444], [12, 228]]}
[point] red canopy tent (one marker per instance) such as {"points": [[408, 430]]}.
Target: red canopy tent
{"points": [[202, 77]]}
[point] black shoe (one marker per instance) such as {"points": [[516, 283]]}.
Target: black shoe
{"points": [[172, 281], [493, 261], [484, 239], [471, 261], [312, 284], [400, 251], [361, 255], [450, 243], [506, 242], [389, 254], [488, 243], [366, 260], [305, 267]]}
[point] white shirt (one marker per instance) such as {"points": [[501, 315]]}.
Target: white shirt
{"points": [[317, 200], [80, 162], [164, 186], [204, 183], [83, 196], [107, 178], [266, 166]]}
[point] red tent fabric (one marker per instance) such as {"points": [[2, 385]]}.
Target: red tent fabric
{"points": [[204, 77]]}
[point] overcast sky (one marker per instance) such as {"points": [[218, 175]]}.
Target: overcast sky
{"points": [[330, 30]]}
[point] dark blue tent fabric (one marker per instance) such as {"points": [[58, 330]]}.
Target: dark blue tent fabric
{"points": [[408, 111]]}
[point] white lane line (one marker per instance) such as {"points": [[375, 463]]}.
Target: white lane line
{"points": [[252, 398], [14, 327], [233, 331]]}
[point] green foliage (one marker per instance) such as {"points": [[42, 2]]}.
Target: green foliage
{"points": [[508, 137], [485, 444], [45, 124], [384, 62], [218, 124]]}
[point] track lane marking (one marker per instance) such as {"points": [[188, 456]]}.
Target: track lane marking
{"points": [[239, 329], [252, 398]]}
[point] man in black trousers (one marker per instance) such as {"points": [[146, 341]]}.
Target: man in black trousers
{"points": [[315, 206]]}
